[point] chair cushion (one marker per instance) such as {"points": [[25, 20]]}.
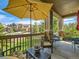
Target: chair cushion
{"points": [[46, 43]]}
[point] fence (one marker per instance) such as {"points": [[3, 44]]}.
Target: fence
{"points": [[11, 43]]}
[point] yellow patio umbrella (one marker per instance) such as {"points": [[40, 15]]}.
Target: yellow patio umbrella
{"points": [[29, 9], [25, 8]]}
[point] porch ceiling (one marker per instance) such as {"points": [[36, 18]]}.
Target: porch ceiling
{"points": [[65, 7]]}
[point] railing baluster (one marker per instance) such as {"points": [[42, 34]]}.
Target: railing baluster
{"points": [[10, 46], [6, 46], [23, 44], [2, 46], [16, 42], [28, 42], [20, 43]]}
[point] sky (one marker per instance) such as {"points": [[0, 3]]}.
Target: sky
{"points": [[3, 3], [7, 18], [70, 20]]}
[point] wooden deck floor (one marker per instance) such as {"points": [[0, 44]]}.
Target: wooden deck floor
{"points": [[64, 50]]}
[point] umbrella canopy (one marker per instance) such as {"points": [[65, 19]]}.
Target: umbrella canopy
{"points": [[28, 9]]}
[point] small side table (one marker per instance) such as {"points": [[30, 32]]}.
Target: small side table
{"points": [[45, 53], [8, 57]]}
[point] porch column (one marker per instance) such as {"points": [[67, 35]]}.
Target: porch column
{"points": [[61, 24], [49, 25], [61, 33], [49, 28]]}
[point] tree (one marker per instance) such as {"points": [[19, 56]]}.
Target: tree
{"points": [[13, 25], [35, 28], [71, 29], [55, 24], [42, 27], [1, 28]]}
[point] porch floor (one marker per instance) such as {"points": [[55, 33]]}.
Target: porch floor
{"points": [[64, 50]]}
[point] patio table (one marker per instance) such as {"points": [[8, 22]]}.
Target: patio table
{"points": [[8, 57], [45, 53]]}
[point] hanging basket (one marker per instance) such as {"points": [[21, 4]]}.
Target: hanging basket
{"points": [[61, 33], [77, 27]]}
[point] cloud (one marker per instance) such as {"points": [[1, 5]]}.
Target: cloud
{"points": [[8, 19], [4, 19], [28, 21], [38, 21], [23, 22], [70, 20]]}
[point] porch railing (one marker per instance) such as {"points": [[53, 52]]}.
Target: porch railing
{"points": [[11, 43]]}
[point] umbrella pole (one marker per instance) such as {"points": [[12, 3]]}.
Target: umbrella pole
{"points": [[30, 27], [51, 29]]}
